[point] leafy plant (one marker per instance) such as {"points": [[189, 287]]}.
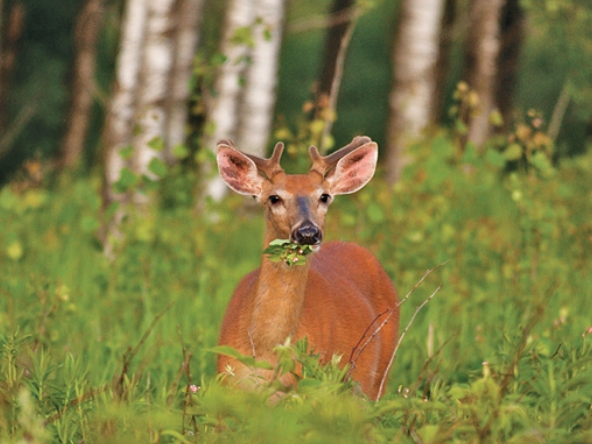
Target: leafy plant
{"points": [[288, 252]]}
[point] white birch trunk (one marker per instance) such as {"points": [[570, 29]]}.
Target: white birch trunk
{"points": [[482, 54], [257, 107], [157, 63], [414, 78], [121, 109], [223, 108], [185, 41]]}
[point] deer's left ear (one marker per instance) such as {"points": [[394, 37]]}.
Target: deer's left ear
{"points": [[353, 171], [238, 171]]}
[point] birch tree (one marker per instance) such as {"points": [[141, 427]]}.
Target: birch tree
{"points": [[481, 57], [414, 78], [147, 112], [242, 106], [257, 107], [185, 42], [156, 66], [222, 108]]}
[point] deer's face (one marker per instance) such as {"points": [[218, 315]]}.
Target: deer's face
{"points": [[296, 205]]}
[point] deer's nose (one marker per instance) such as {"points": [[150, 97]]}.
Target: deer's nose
{"points": [[307, 234]]}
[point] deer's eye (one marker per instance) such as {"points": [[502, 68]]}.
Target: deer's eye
{"points": [[325, 198], [274, 199]]}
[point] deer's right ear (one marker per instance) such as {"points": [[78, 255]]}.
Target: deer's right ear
{"points": [[238, 171]]}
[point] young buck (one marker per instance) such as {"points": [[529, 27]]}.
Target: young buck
{"points": [[338, 299]]}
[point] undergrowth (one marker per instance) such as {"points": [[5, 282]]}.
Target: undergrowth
{"points": [[96, 350]]}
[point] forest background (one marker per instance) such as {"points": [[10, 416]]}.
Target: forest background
{"points": [[119, 249]]}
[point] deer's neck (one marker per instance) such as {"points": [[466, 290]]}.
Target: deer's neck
{"points": [[277, 305]]}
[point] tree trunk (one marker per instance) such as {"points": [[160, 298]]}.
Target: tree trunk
{"points": [[258, 101], [222, 108], [11, 30], [148, 108], [185, 44], [444, 57], [88, 25], [156, 67], [335, 34], [512, 37], [414, 77], [119, 121], [481, 57]]}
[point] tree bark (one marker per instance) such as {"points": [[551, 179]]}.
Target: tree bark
{"points": [[258, 100], [222, 108], [444, 57], [10, 33], [88, 25], [156, 67], [481, 58], [512, 38], [121, 111], [185, 42], [148, 108], [414, 76], [335, 34], [119, 119]]}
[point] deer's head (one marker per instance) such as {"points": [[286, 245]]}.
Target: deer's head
{"points": [[296, 204]]}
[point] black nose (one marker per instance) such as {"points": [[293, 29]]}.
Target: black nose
{"points": [[307, 234]]}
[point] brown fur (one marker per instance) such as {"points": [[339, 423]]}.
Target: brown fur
{"points": [[344, 291], [336, 298]]}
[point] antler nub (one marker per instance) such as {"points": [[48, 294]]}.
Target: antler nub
{"points": [[323, 165], [270, 167]]}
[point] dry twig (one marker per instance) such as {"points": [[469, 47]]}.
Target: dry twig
{"points": [[417, 310], [357, 350]]}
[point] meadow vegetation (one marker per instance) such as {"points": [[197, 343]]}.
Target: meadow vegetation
{"points": [[96, 350]]}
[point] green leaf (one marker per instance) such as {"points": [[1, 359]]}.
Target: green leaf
{"points": [[180, 151], [495, 158], [149, 184], [15, 250], [126, 152], [375, 213], [308, 384], [88, 224], [513, 152], [226, 350], [158, 167], [127, 179], [279, 242], [156, 143]]}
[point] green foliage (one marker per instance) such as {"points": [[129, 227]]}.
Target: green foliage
{"points": [[288, 252], [95, 350]]}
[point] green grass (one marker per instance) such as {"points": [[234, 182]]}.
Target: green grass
{"points": [[106, 351]]}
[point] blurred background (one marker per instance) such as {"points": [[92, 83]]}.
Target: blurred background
{"points": [[81, 81]]}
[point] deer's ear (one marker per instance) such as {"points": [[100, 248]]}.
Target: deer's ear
{"points": [[238, 171], [353, 171]]}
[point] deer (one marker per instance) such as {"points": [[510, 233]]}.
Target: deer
{"points": [[336, 299]]}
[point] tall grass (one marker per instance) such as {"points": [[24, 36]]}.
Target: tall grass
{"points": [[119, 351]]}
